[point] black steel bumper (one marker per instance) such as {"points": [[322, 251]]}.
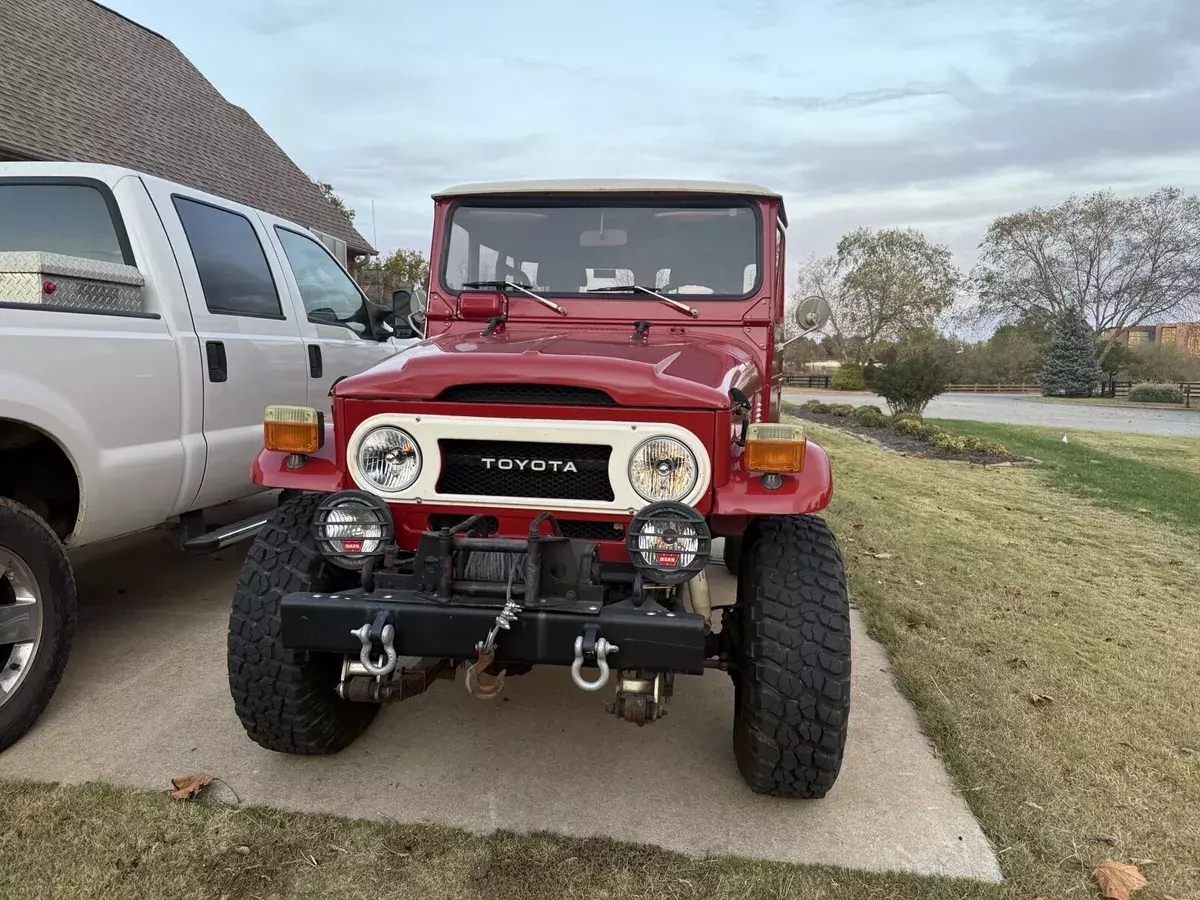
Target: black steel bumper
{"points": [[649, 638]]}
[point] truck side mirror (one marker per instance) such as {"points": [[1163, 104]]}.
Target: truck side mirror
{"points": [[408, 313]]}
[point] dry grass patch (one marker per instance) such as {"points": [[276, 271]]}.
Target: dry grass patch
{"points": [[1053, 650]]}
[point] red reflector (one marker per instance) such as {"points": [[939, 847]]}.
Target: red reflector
{"points": [[49, 287], [668, 559], [352, 546]]}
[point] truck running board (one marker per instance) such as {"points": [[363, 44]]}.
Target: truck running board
{"points": [[226, 535]]}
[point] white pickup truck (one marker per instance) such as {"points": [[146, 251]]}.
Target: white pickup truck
{"points": [[144, 328]]}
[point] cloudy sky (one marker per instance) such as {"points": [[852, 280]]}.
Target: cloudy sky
{"points": [[939, 114]]}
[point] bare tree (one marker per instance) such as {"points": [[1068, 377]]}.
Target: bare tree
{"points": [[1117, 261], [880, 284]]}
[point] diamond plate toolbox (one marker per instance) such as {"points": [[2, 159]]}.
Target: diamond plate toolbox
{"points": [[78, 283]]}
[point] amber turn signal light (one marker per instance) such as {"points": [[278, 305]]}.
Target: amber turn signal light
{"points": [[293, 429], [773, 447]]}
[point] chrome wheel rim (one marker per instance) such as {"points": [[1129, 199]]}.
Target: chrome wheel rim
{"points": [[20, 621]]}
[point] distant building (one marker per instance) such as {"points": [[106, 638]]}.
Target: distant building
{"points": [[1182, 334], [82, 83]]}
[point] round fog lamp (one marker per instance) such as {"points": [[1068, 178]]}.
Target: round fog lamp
{"points": [[352, 526], [668, 542]]}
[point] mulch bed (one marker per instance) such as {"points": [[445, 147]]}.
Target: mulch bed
{"points": [[906, 444]]}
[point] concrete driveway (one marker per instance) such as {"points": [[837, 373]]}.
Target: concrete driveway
{"points": [[1022, 409], [145, 698]]}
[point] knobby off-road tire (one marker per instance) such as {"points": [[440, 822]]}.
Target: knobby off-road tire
{"points": [[284, 698], [731, 554], [32, 679], [792, 687]]}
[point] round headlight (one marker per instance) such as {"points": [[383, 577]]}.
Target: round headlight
{"points": [[663, 468], [389, 459]]}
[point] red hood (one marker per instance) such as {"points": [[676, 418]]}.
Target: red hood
{"points": [[694, 371]]}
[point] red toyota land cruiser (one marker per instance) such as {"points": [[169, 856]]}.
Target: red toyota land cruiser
{"points": [[541, 481]]}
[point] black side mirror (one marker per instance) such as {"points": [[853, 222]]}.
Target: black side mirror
{"points": [[401, 310]]}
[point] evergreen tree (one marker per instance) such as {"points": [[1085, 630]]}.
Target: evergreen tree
{"points": [[1071, 368]]}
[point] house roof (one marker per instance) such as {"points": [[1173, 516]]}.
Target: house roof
{"points": [[613, 185], [85, 84]]}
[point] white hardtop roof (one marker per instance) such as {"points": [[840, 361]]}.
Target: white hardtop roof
{"points": [[611, 185]]}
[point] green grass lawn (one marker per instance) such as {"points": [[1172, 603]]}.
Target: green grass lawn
{"points": [[1050, 644], [1142, 474]]}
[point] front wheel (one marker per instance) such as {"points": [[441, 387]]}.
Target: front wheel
{"points": [[285, 698], [37, 617], [792, 687]]}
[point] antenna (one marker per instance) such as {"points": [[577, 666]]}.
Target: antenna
{"points": [[374, 232]]}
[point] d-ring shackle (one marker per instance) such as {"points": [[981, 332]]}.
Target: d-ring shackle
{"points": [[387, 660], [603, 648]]}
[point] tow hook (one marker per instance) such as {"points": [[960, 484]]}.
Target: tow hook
{"points": [[382, 631], [590, 648], [486, 651]]}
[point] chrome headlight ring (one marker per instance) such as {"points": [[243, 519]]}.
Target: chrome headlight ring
{"points": [[663, 468], [389, 459]]}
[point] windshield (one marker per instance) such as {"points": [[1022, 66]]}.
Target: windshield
{"points": [[703, 251]]}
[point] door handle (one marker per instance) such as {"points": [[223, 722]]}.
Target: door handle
{"points": [[315, 368], [218, 365]]}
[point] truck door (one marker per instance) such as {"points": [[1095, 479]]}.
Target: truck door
{"points": [[341, 339], [251, 350]]}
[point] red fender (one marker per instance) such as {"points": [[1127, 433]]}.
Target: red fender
{"points": [[321, 474], [807, 491]]}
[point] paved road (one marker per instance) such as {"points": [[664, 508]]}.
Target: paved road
{"points": [[1017, 409], [145, 698]]}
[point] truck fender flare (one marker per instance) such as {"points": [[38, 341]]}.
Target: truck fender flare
{"points": [[321, 473], [31, 403], [807, 491]]}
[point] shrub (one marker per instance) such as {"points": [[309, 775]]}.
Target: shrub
{"points": [[907, 426], [947, 443], [912, 376], [870, 416], [840, 409], [814, 406], [1156, 393], [928, 432], [848, 377]]}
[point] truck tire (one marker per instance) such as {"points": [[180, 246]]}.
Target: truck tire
{"points": [[37, 617], [731, 555], [284, 698], [792, 685]]}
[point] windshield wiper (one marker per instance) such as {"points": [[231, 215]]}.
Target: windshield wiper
{"points": [[523, 288], [629, 288]]}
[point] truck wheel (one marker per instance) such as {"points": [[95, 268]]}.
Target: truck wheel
{"points": [[284, 698], [732, 553], [37, 617], [792, 687]]}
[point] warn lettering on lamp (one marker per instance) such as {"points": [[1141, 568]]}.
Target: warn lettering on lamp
{"points": [[533, 465]]}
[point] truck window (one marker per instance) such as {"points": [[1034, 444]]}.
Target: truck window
{"points": [[329, 294], [72, 219], [230, 261]]}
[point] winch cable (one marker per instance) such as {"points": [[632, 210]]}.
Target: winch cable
{"points": [[494, 566]]}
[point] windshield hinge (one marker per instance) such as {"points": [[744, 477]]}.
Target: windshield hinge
{"points": [[641, 329]]}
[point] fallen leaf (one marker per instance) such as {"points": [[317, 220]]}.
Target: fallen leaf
{"points": [[1105, 839], [1186, 751], [243, 849], [1144, 512], [856, 525], [1056, 593], [882, 555], [1138, 861], [1118, 881], [919, 583], [187, 787], [1039, 699], [1017, 663]]}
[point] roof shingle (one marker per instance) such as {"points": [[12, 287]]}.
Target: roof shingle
{"points": [[84, 84]]}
